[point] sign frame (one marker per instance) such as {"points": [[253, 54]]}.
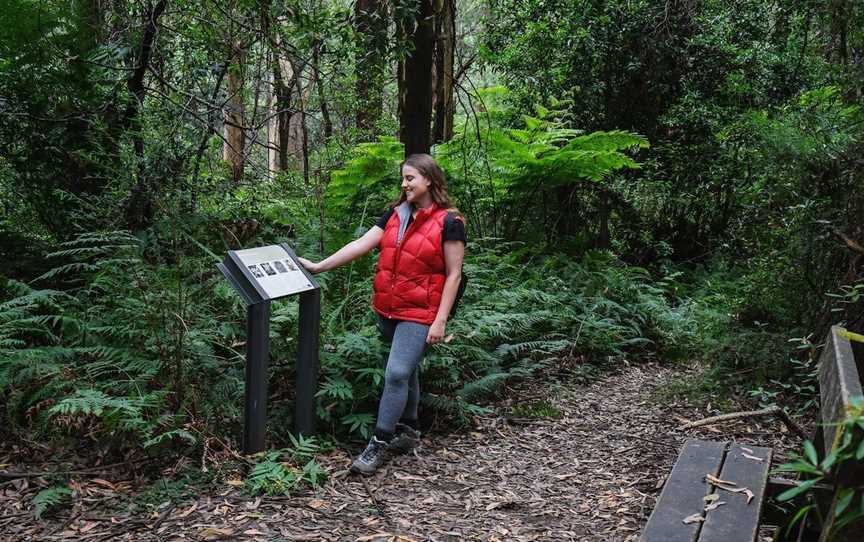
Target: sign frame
{"points": [[257, 302], [247, 285]]}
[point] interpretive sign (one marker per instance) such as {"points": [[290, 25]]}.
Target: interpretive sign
{"points": [[266, 273], [261, 275]]}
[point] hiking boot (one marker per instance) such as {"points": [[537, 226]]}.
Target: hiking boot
{"points": [[406, 439], [371, 458]]}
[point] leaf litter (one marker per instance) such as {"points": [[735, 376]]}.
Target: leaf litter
{"points": [[593, 474]]}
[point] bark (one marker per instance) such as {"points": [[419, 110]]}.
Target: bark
{"points": [[304, 133], [319, 85], [139, 206], [202, 145], [235, 137], [284, 80], [272, 121], [370, 24], [294, 136], [445, 46], [839, 28], [604, 211], [415, 82]]}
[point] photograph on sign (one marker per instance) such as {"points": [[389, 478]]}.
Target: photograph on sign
{"points": [[275, 270]]}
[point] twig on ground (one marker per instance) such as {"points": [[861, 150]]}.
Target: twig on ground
{"points": [[770, 411], [163, 516], [91, 470], [378, 506]]}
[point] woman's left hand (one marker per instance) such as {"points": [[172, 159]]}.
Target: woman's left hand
{"points": [[436, 332]]}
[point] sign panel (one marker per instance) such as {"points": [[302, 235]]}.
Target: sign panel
{"points": [[276, 272], [261, 275]]}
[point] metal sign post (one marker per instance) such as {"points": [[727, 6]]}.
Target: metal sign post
{"points": [[261, 275], [307, 362]]}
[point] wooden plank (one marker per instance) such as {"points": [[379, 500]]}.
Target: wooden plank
{"points": [[683, 493], [839, 383], [738, 520]]}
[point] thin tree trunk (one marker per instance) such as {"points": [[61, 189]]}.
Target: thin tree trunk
{"points": [[445, 45], [415, 83], [839, 27], [304, 133], [272, 121], [370, 25], [202, 145], [235, 137], [603, 225], [319, 85], [284, 80], [139, 207]]}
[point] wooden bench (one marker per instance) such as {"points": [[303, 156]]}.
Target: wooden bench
{"points": [[680, 513]]}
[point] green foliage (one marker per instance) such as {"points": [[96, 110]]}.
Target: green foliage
{"points": [[522, 311], [371, 175], [583, 237], [537, 409], [49, 498], [547, 151], [110, 352], [271, 476], [848, 505]]}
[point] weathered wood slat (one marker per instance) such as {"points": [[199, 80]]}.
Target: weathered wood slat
{"points": [[737, 520], [839, 383], [684, 492], [839, 387]]}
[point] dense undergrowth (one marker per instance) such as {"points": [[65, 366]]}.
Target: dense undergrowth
{"points": [[134, 354]]}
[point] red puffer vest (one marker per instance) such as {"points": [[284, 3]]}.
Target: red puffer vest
{"points": [[411, 274]]}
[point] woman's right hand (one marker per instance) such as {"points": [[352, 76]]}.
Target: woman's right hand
{"points": [[312, 267]]}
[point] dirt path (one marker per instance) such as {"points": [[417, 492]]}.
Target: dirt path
{"points": [[592, 474]]}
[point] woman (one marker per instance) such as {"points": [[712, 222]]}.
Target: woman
{"points": [[422, 242]]}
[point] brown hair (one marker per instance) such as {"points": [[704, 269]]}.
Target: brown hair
{"points": [[429, 168]]}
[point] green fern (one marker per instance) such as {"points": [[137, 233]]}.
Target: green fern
{"points": [[50, 498]]}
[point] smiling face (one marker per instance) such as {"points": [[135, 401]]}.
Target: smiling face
{"points": [[416, 187]]}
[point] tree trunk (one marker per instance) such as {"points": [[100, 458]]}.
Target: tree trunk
{"points": [[272, 120], [319, 85], [139, 206], [370, 25], [284, 80], [604, 211], [415, 82], [445, 46], [235, 138], [839, 28], [304, 132], [294, 138]]}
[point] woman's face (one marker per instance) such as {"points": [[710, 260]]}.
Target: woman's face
{"points": [[414, 184]]}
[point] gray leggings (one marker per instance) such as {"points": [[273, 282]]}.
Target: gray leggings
{"points": [[401, 380]]}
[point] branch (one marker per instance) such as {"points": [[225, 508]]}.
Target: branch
{"points": [[853, 245], [91, 470], [771, 411], [136, 80]]}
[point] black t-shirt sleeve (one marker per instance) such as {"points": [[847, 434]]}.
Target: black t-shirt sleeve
{"points": [[382, 222], [454, 229]]}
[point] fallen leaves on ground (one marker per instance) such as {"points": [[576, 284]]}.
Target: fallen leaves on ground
{"points": [[593, 474]]}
